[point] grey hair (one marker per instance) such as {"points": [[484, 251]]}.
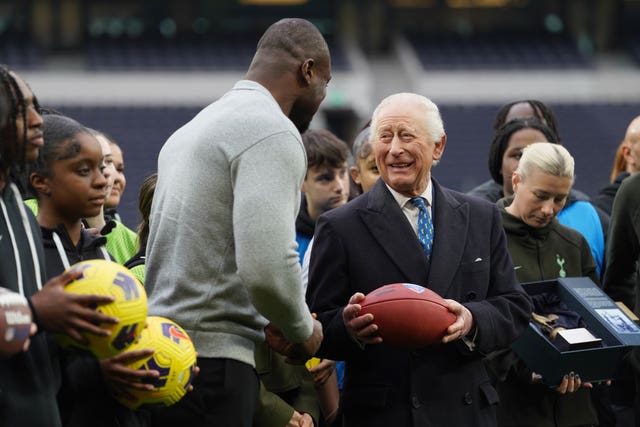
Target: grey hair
{"points": [[432, 117], [551, 159]]}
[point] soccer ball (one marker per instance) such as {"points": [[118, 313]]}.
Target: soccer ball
{"points": [[103, 277], [174, 358]]}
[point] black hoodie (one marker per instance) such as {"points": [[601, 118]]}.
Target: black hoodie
{"points": [[604, 199], [305, 227], [84, 398], [547, 252], [27, 380], [60, 252]]}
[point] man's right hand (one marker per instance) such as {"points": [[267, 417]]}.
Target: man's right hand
{"points": [[305, 350], [60, 311], [361, 328], [296, 353], [300, 420]]}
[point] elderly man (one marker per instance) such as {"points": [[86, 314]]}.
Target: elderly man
{"points": [[221, 255], [408, 228]]}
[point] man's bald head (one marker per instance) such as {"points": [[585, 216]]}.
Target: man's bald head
{"points": [[293, 37], [292, 61], [287, 44], [633, 131]]}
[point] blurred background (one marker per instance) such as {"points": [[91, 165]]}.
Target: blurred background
{"points": [[138, 70]]}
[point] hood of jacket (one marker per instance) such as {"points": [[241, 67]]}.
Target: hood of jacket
{"points": [[516, 226], [88, 247], [304, 224]]}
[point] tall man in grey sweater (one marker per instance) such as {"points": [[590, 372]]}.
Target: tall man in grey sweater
{"points": [[221, 255]]}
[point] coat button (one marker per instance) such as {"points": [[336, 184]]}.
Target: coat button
{"points": [[471, 296], [415, 402], [468, 399]]}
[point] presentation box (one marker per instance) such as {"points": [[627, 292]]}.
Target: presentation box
{"points": [[605, 320]]}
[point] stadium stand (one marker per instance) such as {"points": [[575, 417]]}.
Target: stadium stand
{"points": [[141, 89], [223, 53], [634, 48], [21, 54], [497, 52]]}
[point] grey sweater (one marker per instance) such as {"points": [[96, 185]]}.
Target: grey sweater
{"points": [[221, 255]]}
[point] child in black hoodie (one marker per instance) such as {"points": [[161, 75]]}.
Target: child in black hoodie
{"points": [[28, 379], [68, 180]]}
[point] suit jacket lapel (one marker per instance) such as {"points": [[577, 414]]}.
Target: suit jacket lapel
{"points": [[389, 226], [450, 224]]}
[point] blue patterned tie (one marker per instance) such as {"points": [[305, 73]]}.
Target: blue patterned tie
{"points": [[425, 226]]}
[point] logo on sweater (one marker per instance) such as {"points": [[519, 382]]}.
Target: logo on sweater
{"points": [[560, 261]]}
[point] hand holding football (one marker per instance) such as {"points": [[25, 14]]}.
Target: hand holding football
{"points": [[408, 316], [15, 322]]}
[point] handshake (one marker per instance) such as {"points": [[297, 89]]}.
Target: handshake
{"points": [[296, 353]]}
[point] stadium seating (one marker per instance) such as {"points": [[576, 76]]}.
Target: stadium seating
{"points": [[225, 53], [21, 54], [633, 44], [497, 52]]}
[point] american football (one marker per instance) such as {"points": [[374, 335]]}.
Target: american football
{"points": [[408, 316], [15, 322]]}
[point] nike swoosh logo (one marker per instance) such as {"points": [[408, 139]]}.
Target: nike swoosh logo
{"points": [[517, 267]]}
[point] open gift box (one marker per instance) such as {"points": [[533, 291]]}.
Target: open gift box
{"points": [[604, 320]]}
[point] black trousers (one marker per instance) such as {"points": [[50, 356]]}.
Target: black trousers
{"points": [[225, 394]]}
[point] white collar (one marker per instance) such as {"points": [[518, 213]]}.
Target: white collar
{"points": [[401, 199]]}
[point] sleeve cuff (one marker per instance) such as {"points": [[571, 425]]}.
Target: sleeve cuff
{"points": [[471, 342], [34, 314]]}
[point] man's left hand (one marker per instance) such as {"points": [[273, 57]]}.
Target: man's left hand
{"points": [[463, 324]]}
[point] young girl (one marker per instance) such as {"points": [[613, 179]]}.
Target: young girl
{"points": [[119, 181], [121, 241], [68, 180]]}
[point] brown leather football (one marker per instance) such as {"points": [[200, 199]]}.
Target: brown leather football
{"points": [[408, 316]]}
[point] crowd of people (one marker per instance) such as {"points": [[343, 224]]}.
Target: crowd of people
{"points": [[261, 239]]}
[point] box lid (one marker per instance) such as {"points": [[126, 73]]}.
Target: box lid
{"points": [[611, 316]]}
